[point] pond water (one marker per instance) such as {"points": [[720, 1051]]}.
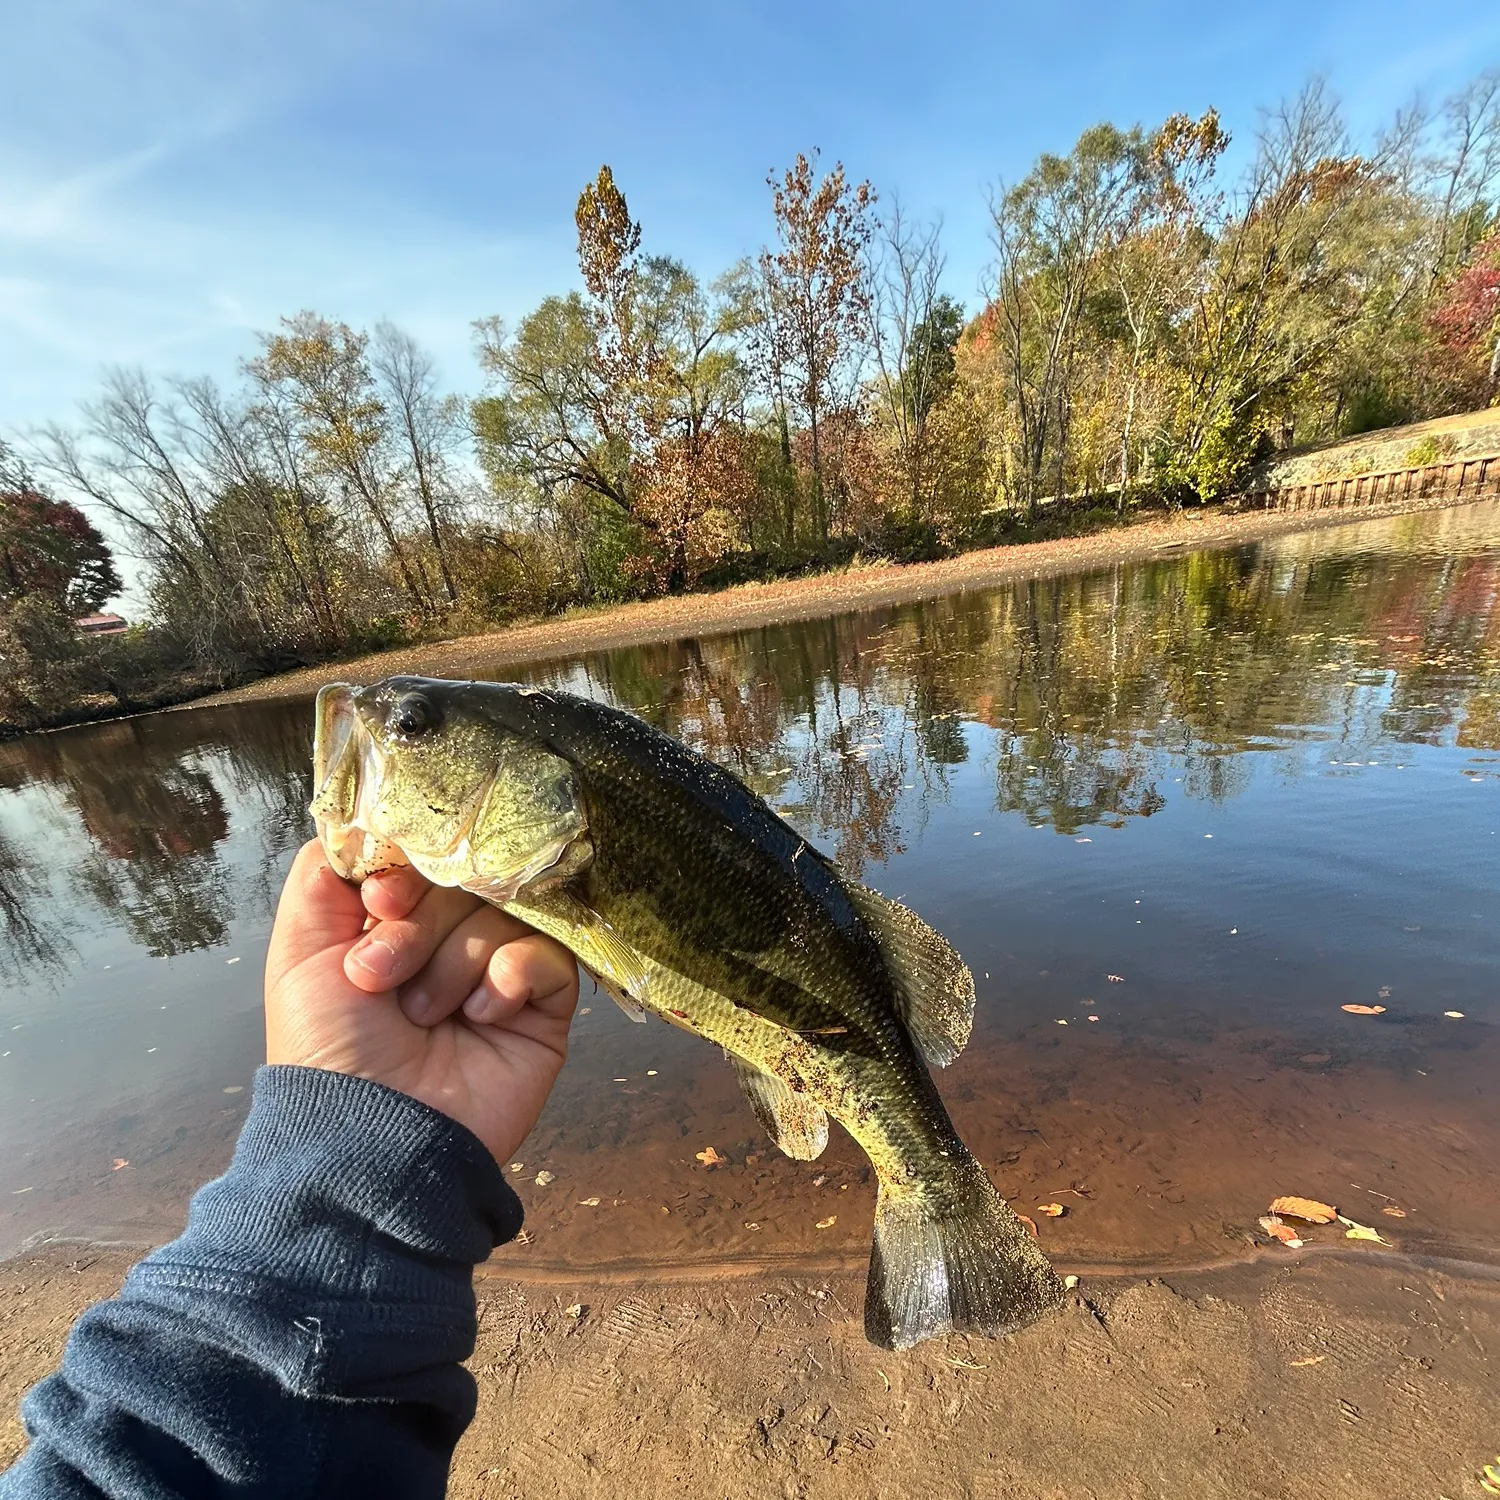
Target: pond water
{"points": [[1175, 815]]}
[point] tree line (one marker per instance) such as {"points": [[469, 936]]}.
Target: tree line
{"points": [[1150, 325]]}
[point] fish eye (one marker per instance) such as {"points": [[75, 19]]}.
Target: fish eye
{"points": [[413, 714]]}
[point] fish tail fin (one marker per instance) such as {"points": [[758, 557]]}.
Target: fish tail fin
{"points": [[952, 1257]]}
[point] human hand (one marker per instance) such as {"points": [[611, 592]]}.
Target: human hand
{"points": [[443, 997]]}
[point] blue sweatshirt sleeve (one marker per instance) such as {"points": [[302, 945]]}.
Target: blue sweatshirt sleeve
{"points": [[304, 1336]]}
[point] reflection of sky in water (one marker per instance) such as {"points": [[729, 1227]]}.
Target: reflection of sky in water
{"points": [[1255, 785]]}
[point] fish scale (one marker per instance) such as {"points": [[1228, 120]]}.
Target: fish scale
{"points": [[687, 897]]}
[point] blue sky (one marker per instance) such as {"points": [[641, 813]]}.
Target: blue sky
{"points": [[176, 175]]}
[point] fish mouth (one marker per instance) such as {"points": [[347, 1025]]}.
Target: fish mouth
{"points": [[348, 770]]}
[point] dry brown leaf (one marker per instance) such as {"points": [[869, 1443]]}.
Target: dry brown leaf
{"points": [[1305, 1208], [1364, 1010], [543, 1178], [1052, 1210], [711, 1158], [588, 1203], [1312, 1359], [1393, 1211], [829, 1222]]}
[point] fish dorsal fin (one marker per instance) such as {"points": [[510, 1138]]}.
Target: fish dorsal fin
{"points": [[617, 968], [934, 988], [797, 1125]]}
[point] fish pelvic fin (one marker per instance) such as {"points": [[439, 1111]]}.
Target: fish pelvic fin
{"points": [[615, 966], [934, 988], [797, 1125], [953, 1258]]}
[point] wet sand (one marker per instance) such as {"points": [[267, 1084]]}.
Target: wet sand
{"points": [[1330, 1376], [754, 604]]}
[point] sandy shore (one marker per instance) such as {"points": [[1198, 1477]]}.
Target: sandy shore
{"points": [[757, 604], [1298, 1377]]}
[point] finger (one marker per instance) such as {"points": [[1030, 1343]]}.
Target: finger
{"points": [[533, 970], [318, 910], [392, 894], [450, 975], [391, 952]]}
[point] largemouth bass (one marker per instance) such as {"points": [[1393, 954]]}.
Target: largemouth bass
{"points": [[685, 896]]}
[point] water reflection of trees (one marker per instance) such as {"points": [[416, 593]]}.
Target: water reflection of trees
{"points": [[149, 796], [1095, 691], [1079, 700]]}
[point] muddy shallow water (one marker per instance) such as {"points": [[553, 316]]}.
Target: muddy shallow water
{"points": [[1174, 814]]}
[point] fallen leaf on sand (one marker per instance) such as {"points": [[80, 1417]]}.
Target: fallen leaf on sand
{"points": [[1283, 1232], [1364, 1010], [1393, 1211], [751, 1225], [1362, 1232], [119, 1162], [1070, 1282], [1305, 1208], [588, 1203], [525, 1237], [543, 1178], [829, 1222], [1052, 1210], [711, 1158], [1312, 1359], [576, 1311], [1030, 1223], [518, 1166]]}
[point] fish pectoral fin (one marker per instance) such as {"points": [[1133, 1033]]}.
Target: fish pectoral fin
{"points": [[934, 988], [632, 1008], [797, 1125], [617, 968]]}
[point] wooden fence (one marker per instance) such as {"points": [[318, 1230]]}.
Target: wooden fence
{"points": [[1466, 478]]}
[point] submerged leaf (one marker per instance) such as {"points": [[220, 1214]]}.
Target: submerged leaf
{"points": [[1362, 1232], [1279, 1231]]}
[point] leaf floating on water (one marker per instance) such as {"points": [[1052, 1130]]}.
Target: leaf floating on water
{"points": [[1115, 978], [1052, 1210], [543, 1178], [1279, 1231], [1305, 1208], [711, 1158], [1454, 1015], [1393, 1211], [829, 1222], [1364, 1010], [1362, 1232]]}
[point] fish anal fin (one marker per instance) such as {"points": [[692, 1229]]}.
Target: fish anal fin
{"points": [[934, 988], [798, 1126]]}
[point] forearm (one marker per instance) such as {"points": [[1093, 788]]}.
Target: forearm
{"points": [[305, 1334]]}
